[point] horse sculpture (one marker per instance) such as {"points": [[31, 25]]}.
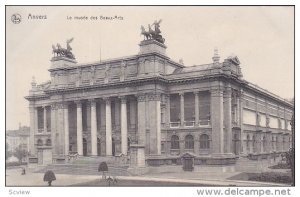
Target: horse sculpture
{"points": [[146, 34], [153, 34], [59, 51]]}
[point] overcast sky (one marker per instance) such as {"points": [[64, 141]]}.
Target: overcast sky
{"points": [[261, 37]]}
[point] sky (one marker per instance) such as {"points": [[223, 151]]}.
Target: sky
{"points": [[261, 36]]}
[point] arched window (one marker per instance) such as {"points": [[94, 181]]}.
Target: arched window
{"points": [[48, 142], [189, 142], [204, 141], [40, 142], [174, 142]]}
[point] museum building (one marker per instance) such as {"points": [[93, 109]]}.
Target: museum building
{"points": [[157, 106]]}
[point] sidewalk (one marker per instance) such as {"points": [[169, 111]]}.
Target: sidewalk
{"points": [[14, 178]]}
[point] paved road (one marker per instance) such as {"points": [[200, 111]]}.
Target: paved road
{"points": [[14, 178]]}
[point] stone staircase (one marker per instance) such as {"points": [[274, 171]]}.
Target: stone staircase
{"points": [[88, 166]]}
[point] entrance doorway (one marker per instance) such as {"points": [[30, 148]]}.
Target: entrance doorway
{"points": [[113, 147], [98, 147], [236, 144], [84, 147]]}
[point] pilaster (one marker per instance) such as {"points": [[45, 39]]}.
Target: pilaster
{"points": [[79, 128], [217, 118]]}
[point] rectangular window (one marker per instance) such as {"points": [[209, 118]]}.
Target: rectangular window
{"points": [[189, 106], [40, 114], [204, 108], [174, 108]]}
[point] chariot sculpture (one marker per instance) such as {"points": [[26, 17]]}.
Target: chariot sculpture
{"points": [[59, 51], [153, 34]]}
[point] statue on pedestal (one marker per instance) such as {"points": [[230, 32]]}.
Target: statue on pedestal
{"points": [[153, 34], [59, 51]]}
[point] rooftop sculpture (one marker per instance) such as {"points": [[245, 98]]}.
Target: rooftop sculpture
{"points": [[59, 51], [153, 34]]}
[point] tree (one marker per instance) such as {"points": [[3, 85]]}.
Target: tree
{"points": [[290, 156], [49, 176], [20, 153], [7, 152], [103, 168]]}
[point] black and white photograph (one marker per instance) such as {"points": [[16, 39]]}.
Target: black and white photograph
{"points": [[150, 96]]}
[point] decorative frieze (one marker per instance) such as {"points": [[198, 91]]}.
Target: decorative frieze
{"points": [[154, 96]]}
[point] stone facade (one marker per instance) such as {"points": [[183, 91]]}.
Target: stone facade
{"points": [[153, 102]]}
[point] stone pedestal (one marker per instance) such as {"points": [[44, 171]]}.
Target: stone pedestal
{"points": [[62, 62], [151, 46], [137, 164]]}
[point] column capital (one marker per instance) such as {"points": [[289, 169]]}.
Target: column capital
{"points": [[66, 104], [123, 99], [78, 103], [107, 100], [92, 102], [216, 92], [196, 92], [53, 106], [154, 96], [181, 93], [141, 97], [60, 105]]}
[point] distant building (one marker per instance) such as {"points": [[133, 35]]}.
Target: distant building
{"points": [[18, 138], [162, 106]]}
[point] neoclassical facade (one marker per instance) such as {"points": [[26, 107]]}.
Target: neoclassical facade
{"points": [[106, 108]]}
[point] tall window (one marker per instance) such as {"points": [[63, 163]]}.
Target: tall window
{"points": [[174, 108], [189, 106], [40, 120], [204, 108], [189, 142], [204, 141], [174, 142]]}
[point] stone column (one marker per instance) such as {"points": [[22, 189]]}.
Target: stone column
{"points": [[141, 119], [243, 147], [93, 127], [228, 120], [167, 110], [124, 125], [37, 119], [60, 128], [66, 128], [217, 120], [108, 127], [154, 123], [196, 108], [32, 129], [53, 127], [79, 128], [158, 125], [117, 114], [238, 110], [45, 119], [181, 109]]}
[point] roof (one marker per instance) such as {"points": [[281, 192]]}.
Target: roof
{"points": [[23, 131]]}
